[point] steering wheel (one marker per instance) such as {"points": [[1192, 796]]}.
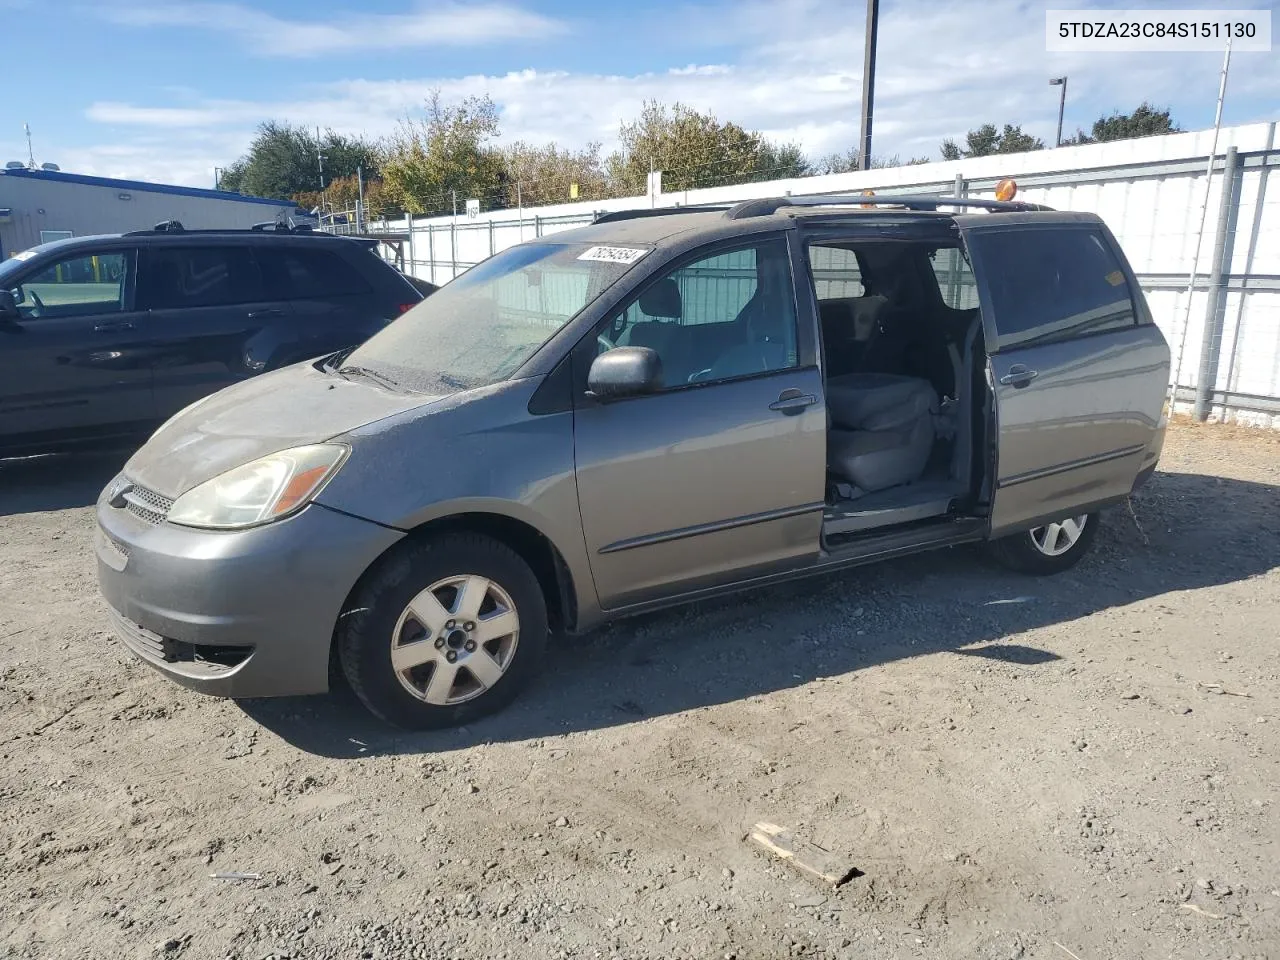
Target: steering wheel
{"points": [[37, 305], [605, 342], [699, 375]]}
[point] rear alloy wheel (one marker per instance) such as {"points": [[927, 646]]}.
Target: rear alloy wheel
{"points": [[1050, 548], [445, 630]]}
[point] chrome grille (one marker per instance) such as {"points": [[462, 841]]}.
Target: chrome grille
{"points": [[147, 504]]}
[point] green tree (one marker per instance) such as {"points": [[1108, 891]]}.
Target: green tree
{"points": [[778, 161], [1145, 121], [446, 154], [692, 149], [986, 140], [341, 195], [850, 161], [282, 161], [536, 175]]}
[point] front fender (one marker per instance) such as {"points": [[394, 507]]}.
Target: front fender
{"points": [[479, 452]]}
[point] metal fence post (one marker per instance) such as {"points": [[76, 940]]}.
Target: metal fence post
{"points": [[408, 223], [453, 250], [537, 226], [431, 249], [1215, 310], [491, 250]]}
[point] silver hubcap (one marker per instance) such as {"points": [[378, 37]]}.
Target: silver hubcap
{"points": [[455, 640], [1055, 539]]}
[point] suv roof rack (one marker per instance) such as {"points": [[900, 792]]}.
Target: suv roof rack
{"points": [[615, 215], [924, 203], [282, 226], [269, 228]]}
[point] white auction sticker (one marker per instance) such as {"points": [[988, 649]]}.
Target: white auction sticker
{"points": [[614, 254]]}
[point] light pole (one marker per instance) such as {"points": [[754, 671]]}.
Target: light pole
{"points": [[869, 80], [1062, 104]]}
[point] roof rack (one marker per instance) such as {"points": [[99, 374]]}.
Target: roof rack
{"points": [[771, 205], [615, 215], [234, 231]]}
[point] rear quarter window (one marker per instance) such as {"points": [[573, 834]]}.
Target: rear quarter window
{"points": [[1053, 284], [298, 273]]}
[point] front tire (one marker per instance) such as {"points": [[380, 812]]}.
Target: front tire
{"points": [[444, 630], [1047, 549]]}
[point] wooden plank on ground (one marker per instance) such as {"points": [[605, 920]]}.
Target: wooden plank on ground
{"points": [[811, 860]]}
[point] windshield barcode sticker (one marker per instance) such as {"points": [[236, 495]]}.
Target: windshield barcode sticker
{"points": [[614, 254]]}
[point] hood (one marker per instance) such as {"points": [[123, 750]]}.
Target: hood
{"points": [[287, 408]]}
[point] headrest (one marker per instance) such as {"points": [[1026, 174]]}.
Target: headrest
{"points": [[866, 314], [662, 300]]}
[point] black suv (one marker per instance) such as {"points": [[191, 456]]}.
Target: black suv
{"points": [[103, 337]]}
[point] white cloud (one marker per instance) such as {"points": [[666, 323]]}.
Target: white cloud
{"points": [[794, 75], [447, 24]]}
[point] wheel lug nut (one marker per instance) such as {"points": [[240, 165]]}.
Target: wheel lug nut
{"points": [[469, 626], [439, 642], [471, 645], [451, 656], [450, 625]]}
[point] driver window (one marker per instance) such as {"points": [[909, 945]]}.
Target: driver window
{"points": [[78, 286], [728, 315]]}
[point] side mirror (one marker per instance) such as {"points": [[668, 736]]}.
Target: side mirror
{"points": [[8, 306], [624, 372]]}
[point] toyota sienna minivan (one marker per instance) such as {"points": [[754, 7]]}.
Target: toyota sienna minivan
{"points": [[656, 408]]}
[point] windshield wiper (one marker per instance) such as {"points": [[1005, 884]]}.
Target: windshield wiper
{"points": [[333, 361], [370, 374], [449, 381]]}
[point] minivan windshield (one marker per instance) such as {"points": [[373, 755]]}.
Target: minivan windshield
{"points": [[478, 329]]}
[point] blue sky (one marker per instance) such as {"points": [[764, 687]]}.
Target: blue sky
{"points": [[167, 89]]}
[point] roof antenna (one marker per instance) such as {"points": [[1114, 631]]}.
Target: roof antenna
{"points": [[31, 157]]}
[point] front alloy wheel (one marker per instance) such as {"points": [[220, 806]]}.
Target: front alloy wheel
{"points": [[455, 640], [444, 629]]}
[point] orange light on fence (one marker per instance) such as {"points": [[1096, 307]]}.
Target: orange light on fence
{"points": [[1006, 189], [868, 193]]}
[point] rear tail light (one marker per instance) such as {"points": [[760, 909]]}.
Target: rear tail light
{"points": [[405, 307]]}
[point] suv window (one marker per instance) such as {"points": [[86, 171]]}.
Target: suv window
{"points": [[1054, 283], [731, 314], [76, 286], [295, 273], [184, 277], [956, 282]]}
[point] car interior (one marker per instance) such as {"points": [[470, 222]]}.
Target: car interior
{"points": [[729, 315], [903, 355]]}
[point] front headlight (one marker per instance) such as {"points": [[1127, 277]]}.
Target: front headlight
{"points": [[260, 491]]}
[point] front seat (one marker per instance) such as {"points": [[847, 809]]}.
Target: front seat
{"points": [[881, 429], [666, 336]]}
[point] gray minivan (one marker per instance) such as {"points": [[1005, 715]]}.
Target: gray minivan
{"points": [[660, 407]]}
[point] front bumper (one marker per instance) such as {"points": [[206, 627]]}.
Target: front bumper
{"points": [[246, 613]]}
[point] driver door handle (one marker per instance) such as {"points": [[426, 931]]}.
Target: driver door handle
{"points": [[1019, 376], [793, 401], [109, 326]]}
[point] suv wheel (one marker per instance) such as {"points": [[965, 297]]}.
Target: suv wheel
{"points": [[1051, 548], [444, 631]]}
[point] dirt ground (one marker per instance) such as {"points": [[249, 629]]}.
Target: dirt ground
{"points": [[1086, 766]]}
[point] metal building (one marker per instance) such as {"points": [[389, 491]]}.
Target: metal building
{"points": [[37, 206]]}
